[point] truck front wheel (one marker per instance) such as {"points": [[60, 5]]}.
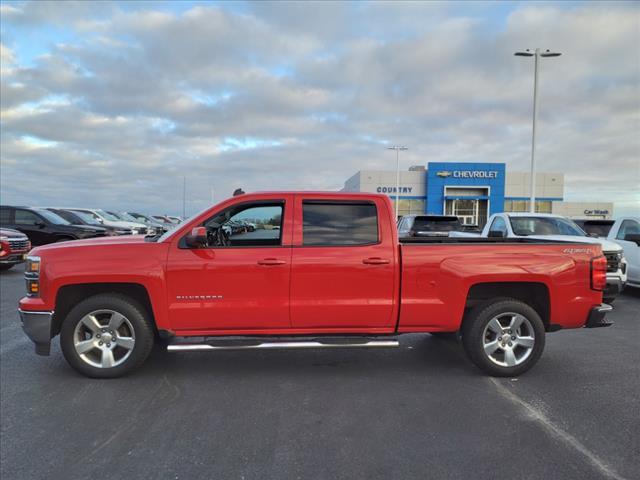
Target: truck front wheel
{"points": [[106, 336], [503, 337]]}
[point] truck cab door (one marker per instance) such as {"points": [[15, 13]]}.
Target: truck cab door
{"points": [[240, 287], [344, 265]]}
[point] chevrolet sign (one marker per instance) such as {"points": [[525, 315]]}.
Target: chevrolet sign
{"points": [[468, 174]]}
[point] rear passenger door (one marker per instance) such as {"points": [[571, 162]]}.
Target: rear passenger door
{"points": [[343, 266]]}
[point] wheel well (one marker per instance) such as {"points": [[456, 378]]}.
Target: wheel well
{"points": [[70, 295], [533, 294]]}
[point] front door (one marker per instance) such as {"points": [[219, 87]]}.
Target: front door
{"points": [[343, 267], [242, 285], [33, 226]]}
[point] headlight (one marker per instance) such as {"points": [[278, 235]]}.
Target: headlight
{"points": [[33, 265], [32, 276]]}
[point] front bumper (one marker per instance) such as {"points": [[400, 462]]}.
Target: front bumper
{"points": [[13, 258], [597, 316], [37, 326], [614, 287]]}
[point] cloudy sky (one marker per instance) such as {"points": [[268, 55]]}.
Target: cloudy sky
{"points": [[110, 104]]}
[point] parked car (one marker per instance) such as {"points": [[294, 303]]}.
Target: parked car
{"points": [[175, 220], [14, 246], [125, 217], [43, 226], [166, 221], [431, 226], [107, 219], [555, 227], [626, 233], [81, 218], [148, 221], [594, 227], [328, 277]]}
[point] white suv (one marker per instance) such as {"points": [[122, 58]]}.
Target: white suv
{"points": [[107, 219], [546, 226]]}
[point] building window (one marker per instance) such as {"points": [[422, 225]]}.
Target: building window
{"points": [[542, 206], [409, 206]]}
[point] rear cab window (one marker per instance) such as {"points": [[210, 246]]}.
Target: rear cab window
{"points": [[333, 223]]}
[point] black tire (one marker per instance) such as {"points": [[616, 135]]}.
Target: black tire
{"points": [[475, 328], [138, 320], [6, 267]]}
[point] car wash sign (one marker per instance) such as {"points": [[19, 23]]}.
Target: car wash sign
{"points": [[467, 173]]}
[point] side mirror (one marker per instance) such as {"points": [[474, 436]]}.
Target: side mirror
{"points": [[633, 237], [197, 238], [496, 234]]}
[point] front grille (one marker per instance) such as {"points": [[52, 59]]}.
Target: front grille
{"points": [[613, 261], [142, 230], [18, 243]]}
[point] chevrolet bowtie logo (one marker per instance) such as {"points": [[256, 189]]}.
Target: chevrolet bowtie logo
{"points": [[444, 174]]}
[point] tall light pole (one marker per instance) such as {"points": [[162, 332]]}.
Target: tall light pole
{"points": [[537, 54], [397, 148]]}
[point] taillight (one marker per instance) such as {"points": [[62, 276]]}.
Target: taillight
{"points": [[599, 273]]}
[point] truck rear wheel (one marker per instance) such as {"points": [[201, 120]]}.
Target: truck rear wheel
{"points": [[503, 337], [106, 336]]}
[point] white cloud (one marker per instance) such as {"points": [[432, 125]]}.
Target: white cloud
{"points": [[303, 97]]}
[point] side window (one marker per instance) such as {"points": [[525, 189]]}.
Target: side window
{"points": [[499, 225], [5, 216], [329, 223], [628, 227], [247, 225], [405, 225], [25, 217]]}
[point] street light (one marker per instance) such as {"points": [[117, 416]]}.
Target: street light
{"points": [[537, 54], [397, 148]]}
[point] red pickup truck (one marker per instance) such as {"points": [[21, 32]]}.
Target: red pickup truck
{"points": [[305, 270]]}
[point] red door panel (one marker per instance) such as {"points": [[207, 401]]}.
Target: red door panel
{"points": [[233, 288]]}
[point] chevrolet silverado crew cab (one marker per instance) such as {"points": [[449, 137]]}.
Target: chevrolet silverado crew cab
{"points": [[546, 226], [318, 270]]}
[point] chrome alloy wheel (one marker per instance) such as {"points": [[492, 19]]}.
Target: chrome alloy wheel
{"points": [[508, 339], [104, 338]]}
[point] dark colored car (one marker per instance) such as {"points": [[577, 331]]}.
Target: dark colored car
{"points": [[14, 247], [595, 227], [79, 218], [43, 226]]}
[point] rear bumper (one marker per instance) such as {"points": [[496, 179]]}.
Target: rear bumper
{"points": [[597, 316], [37, 326]]}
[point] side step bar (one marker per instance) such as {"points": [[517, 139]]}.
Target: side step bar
{"points": [[271, 343]]}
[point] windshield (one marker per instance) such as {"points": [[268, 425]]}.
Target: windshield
{"points": [[129, 218], [108, 216], [525, 226], [52, 217], [436, 224], [87, 217]]}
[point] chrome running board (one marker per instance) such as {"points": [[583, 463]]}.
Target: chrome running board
{"points": [[253, 344]]}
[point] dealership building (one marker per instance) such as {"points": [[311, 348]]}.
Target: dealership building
{"points": [[473, 191]]}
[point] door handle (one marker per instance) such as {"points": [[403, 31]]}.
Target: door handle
{"points": [[271, 261], [376, 261]]}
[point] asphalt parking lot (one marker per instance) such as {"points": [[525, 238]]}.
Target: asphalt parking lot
{"points": [[420, 411]]}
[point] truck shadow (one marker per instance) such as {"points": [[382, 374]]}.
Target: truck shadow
{"points": [[417, 355]]}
